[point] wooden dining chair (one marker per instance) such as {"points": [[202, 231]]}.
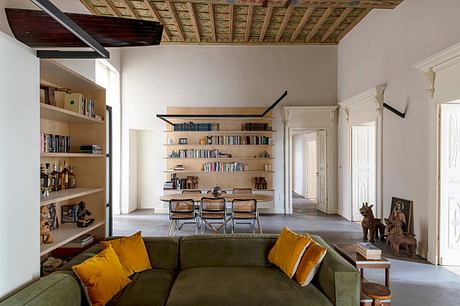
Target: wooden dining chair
{"points": [[212, 209], [242, 190], [222, 192], [191, 191], [181, 210], [246, 210]]}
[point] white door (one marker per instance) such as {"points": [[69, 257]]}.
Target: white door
{"points": [[363, 166], [321, 152], [449, 239], [311, 170]]}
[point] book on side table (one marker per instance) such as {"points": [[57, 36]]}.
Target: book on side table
{"points": [[368, 250]]}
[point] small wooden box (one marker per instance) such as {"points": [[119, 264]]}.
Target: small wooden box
{"points": [[74, 102]]}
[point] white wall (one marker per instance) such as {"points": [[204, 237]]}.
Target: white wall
{"points": [[132, 161], [382, 49], [19, 166], [206, 76]]}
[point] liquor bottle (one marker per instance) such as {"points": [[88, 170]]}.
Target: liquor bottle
{"points": [[42, 178], [46, 180], [55, 179], [65, 172], [61, 177], [72, 179]]}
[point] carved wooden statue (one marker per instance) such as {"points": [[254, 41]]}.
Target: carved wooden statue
{"points": [[396, 237], [45, 231], [192, 182], [83, 214], [260, 183], [370, 224]]}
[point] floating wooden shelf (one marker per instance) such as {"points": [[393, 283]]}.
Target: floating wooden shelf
{"points": [[67, 194], [220, 158], [228, 189], [220, 132], [60, 114], [219, 172], [72, 155], [216, 145], [66, 233]]}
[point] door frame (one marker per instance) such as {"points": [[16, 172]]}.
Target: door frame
{"points": [[109, 201], [440, 73], [312, 118], [361, 109]]}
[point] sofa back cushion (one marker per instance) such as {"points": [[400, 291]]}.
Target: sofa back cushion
{"points": [[226, 251], [163, 252]]}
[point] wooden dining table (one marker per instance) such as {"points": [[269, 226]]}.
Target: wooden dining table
{"points": [[229, 197]]}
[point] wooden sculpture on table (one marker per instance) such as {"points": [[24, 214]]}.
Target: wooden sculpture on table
{"points": [[260, 183], [396, 237], [45, 231], [192, 182], [82, 215], [371, 225]]}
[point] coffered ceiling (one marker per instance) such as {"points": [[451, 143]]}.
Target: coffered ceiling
{"points": [[248, 22]]}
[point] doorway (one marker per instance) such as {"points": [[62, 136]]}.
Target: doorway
{"points": [[363, 166], [449, 185]]}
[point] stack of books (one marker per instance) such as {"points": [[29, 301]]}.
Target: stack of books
{"points": [[368, 250], [91, 149], [80, 242], [179, 168]]}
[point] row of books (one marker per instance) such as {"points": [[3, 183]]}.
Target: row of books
{"points": [[238, 140], [192, 153], [180, 127], [76, 102], [50, 143], [258, 126], [368, 250], [91, 149], [225, 167]]}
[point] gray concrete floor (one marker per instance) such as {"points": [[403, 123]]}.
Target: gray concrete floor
{"points": [[413, 282]]}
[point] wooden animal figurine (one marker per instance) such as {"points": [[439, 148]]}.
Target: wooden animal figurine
{"points": [[45, 232], [192, 182], [262, 183], [396, 237], [82, 215], [371, 225], [256, 183]]}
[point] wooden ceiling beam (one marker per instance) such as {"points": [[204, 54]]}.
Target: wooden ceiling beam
{"points": [[154, 12], [109, 4], [230, 23], [212, 21], [336, 23], [192, 14], [89, 6], [132, 10], [268, 17], [373, 4], [176, 20], [353, 24], [302, 23], [319, 24], [284, 22], [248, 23]]}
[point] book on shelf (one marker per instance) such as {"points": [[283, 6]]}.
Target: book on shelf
{"points": [[91, 149], [256, 126], [80, 242], [368, 250], [196, 127], [179, 168]]}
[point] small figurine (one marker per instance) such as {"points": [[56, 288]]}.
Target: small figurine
{"points": [[45, 231], [396, 236], [370, 224], [82, 220]]}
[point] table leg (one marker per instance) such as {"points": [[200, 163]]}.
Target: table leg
{"points": [[362, 272], [387, 277]]}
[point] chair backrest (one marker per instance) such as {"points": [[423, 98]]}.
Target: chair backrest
{"points": [[242, 190], [181, 206], [244, 206], [191, 191], [213, 204], [222, 192]]}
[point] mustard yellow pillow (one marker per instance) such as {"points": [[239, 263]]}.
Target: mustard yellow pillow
{"points": [[288, 250], [132, 253], [310, 263], [102, 276]]}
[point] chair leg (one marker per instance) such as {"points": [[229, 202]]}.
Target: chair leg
{"points": [[196, 226], [175, 227], [225, 226], [253, 226], [170, 227], [233, 225], [258, 224]]}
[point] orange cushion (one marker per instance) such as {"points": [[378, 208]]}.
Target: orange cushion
{"points": [[132, 253], [102, 276], [310, 263], [288, 250]]}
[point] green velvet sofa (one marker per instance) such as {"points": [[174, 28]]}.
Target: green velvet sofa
{"points": [[206, 270]]}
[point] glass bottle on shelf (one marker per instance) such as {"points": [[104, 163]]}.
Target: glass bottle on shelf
{"points": [[55, 179], [46, 180], [42, 178], [72, 180], [61, 177], [65, 172]]}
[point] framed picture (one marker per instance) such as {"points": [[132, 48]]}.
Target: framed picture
{"points": [[69, 213], [406, 206], [52, 216], [183, 141]]}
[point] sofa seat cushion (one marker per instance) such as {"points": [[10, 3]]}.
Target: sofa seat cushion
{"points": [[241, 286], [148, 288]]}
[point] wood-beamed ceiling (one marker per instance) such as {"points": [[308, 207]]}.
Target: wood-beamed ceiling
{"points": [[246, 21]]}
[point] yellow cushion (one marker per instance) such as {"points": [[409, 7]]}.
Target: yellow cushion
{"points": [[132, 253], [288, 250], [102, 276], [310, 263]]}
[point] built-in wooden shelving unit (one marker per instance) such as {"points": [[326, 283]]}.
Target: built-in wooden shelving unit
{"points": [[89, 169]]}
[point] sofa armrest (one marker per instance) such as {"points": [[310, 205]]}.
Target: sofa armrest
{"points": [[337, 278]]}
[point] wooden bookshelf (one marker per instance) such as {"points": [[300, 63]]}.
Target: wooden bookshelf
{"points": [[89, 169], [248, 154]]}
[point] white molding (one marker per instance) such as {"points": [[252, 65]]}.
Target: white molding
{"points": [[373, 95], [310, 108]]}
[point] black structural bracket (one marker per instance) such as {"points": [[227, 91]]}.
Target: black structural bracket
{"points": [[224, 116], [394, 110], [69, 24]]}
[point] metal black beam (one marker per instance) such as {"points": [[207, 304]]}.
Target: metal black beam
{"points": [[198, 116], [68, 54], [394, 110], [75, 29]]}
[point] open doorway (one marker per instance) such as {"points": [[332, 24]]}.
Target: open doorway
{"points": [[363, 167]]}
